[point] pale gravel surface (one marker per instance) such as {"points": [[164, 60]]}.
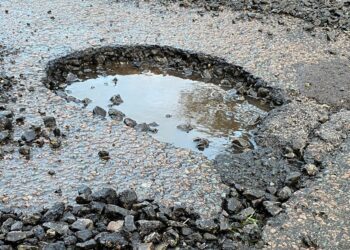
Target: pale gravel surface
{"points": [[149, 166], [296, 126], [318, 215]]}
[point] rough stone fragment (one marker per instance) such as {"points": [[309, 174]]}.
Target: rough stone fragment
{"points": [[59, 245], [284, 193], [90, 244], [272, 208], [142, 127], [104, 155], [224, 223], [209, 237], [207, 225], [16, 236], [111, 240], [17, 226], [252, 232], [24, 150], [55, 142], [146, 227], [5, 123], [114, 211], [145, 246], [130, 122], [115, 226], [116, 114], [234, 205], [98, 111], [70, 240], [82, 224], [201, 143], [29, 136], [185, 127], [69, 217], [26, 247], [186, 231], [49, 121], [292, 178], [116, 100], [171, 237], [129, 223], [83, 235], [229, 245], [253, 194], [127, 198], [4, 136], [71, 77], [245, 213], [311, 169], [59, 227], [106, 195], [83, 199], [55, 212], [38, 231], [152, 237]]}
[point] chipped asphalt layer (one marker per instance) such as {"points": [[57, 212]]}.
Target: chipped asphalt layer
{"points": [[266, 49]]}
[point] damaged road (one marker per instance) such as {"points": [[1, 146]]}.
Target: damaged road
{"points": [[296, 182]]}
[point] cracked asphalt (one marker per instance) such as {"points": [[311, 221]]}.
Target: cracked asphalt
{"points": [[312, 70]]}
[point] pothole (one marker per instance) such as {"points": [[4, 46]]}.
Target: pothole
{"points": [[186, 113], [189, 100]]}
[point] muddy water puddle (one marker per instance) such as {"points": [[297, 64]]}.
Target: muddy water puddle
{"points": [[186, 113]]}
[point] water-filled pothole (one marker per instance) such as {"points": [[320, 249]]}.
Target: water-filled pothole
{"points": [[187, 113], [155, 81]]}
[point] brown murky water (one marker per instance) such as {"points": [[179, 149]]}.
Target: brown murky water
{"points": [[168, 100]]}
